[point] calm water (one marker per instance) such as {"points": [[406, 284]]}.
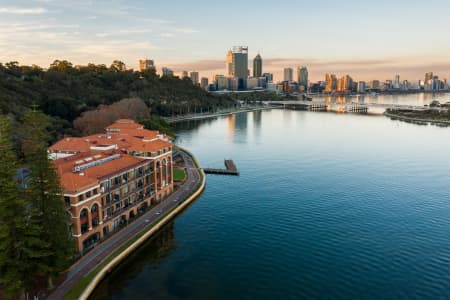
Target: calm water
{"points": [[328, 206]]}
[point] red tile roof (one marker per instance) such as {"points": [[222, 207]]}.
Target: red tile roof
{"points": [[74, 182]]}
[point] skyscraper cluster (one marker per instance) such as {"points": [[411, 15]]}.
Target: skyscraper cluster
{"points": [[237, 73]]}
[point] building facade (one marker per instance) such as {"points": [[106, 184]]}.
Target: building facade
{"points": [[330, 83], [146, 64], [204, 83], [237, 65], [194, 77], [288, 74], [111, 178], [302, 78], [257, 66]]}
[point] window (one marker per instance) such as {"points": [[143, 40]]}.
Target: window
{"points": [[84, 224], [88, 195], [67, 200], [80, 198], [94, 215], [94, 191]]}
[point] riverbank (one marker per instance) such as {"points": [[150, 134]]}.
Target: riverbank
{"points": [[82, 278], [214, 115], [420, 121]]}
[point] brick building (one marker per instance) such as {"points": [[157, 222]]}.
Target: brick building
{"points": [[111, 178]]}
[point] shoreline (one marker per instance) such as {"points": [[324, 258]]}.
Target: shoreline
{"points": [[405, 119]]}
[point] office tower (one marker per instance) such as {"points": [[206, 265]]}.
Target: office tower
{"points": [[184, 74], [428, 84], [396, 84], [237, 64], [330, 83], [302, 78], [229, 63], [167, 72], [375, 84], [345, 84], [361, 87], [204, 83], [257, 66], [222, 82], [145, 64], [194, 77], [428, 77], [288, 74], [268, 76]]}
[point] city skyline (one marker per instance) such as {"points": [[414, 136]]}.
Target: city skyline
{"points": [[382, 40]]}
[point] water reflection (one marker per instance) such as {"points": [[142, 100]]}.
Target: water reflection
{"points": [[407, 99], [155, 250]]}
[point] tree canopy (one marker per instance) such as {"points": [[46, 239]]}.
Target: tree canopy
{"points": [[65, 91]]}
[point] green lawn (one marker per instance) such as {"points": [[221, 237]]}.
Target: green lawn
{"points": [[179, 175]]}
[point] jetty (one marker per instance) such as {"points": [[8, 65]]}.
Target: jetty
{"points": [[230, 169]]}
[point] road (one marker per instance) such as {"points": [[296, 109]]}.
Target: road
{"points": [[90, 261]]}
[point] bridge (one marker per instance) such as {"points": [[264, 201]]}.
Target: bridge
{"points": [[340, 106]]}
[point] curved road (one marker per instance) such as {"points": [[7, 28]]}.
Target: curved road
{"points": [[90, 261]]}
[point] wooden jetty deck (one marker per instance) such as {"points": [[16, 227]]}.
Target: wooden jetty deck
{"points": [[230, 169]]}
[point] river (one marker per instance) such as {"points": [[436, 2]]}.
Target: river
{"points": [[327, 206]]}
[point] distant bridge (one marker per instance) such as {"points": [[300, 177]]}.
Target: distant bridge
{"points": [[339, 106]]}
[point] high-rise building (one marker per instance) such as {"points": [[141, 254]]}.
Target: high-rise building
{"points": [[268, 76], [375, 85], [396, 84], [194, 77], [428, 76], [257, 66], [345, 84], [222, 82], [302, 78], [238, 68], [361, 87], [229, 64], [184, 74], [330, 83], [288, 74], [204, 83], [145, 64], [167, 72]]}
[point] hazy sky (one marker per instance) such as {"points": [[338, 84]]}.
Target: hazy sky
{"points": [[366, 39]]}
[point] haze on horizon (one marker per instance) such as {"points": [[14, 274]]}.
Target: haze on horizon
{"points": [[368, 40]]}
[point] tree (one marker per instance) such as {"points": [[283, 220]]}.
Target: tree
{"points": [[45, 194], [118, 66], [435, 103], [12, 218], [61, 65]]}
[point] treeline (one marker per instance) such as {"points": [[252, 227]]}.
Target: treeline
{"points": [[95, 121], [35, 242], [64, 91]]}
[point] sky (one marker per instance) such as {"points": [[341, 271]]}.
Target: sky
{"points": [[366, 39]]}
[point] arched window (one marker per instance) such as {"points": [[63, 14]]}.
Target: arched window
{"points": [[84, 223], [94, 215]]}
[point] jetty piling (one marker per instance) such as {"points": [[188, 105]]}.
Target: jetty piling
{"points": [[230, 169]]}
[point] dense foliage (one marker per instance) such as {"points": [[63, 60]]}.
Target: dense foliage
{"points": [[64, 91], [34, 237]]}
